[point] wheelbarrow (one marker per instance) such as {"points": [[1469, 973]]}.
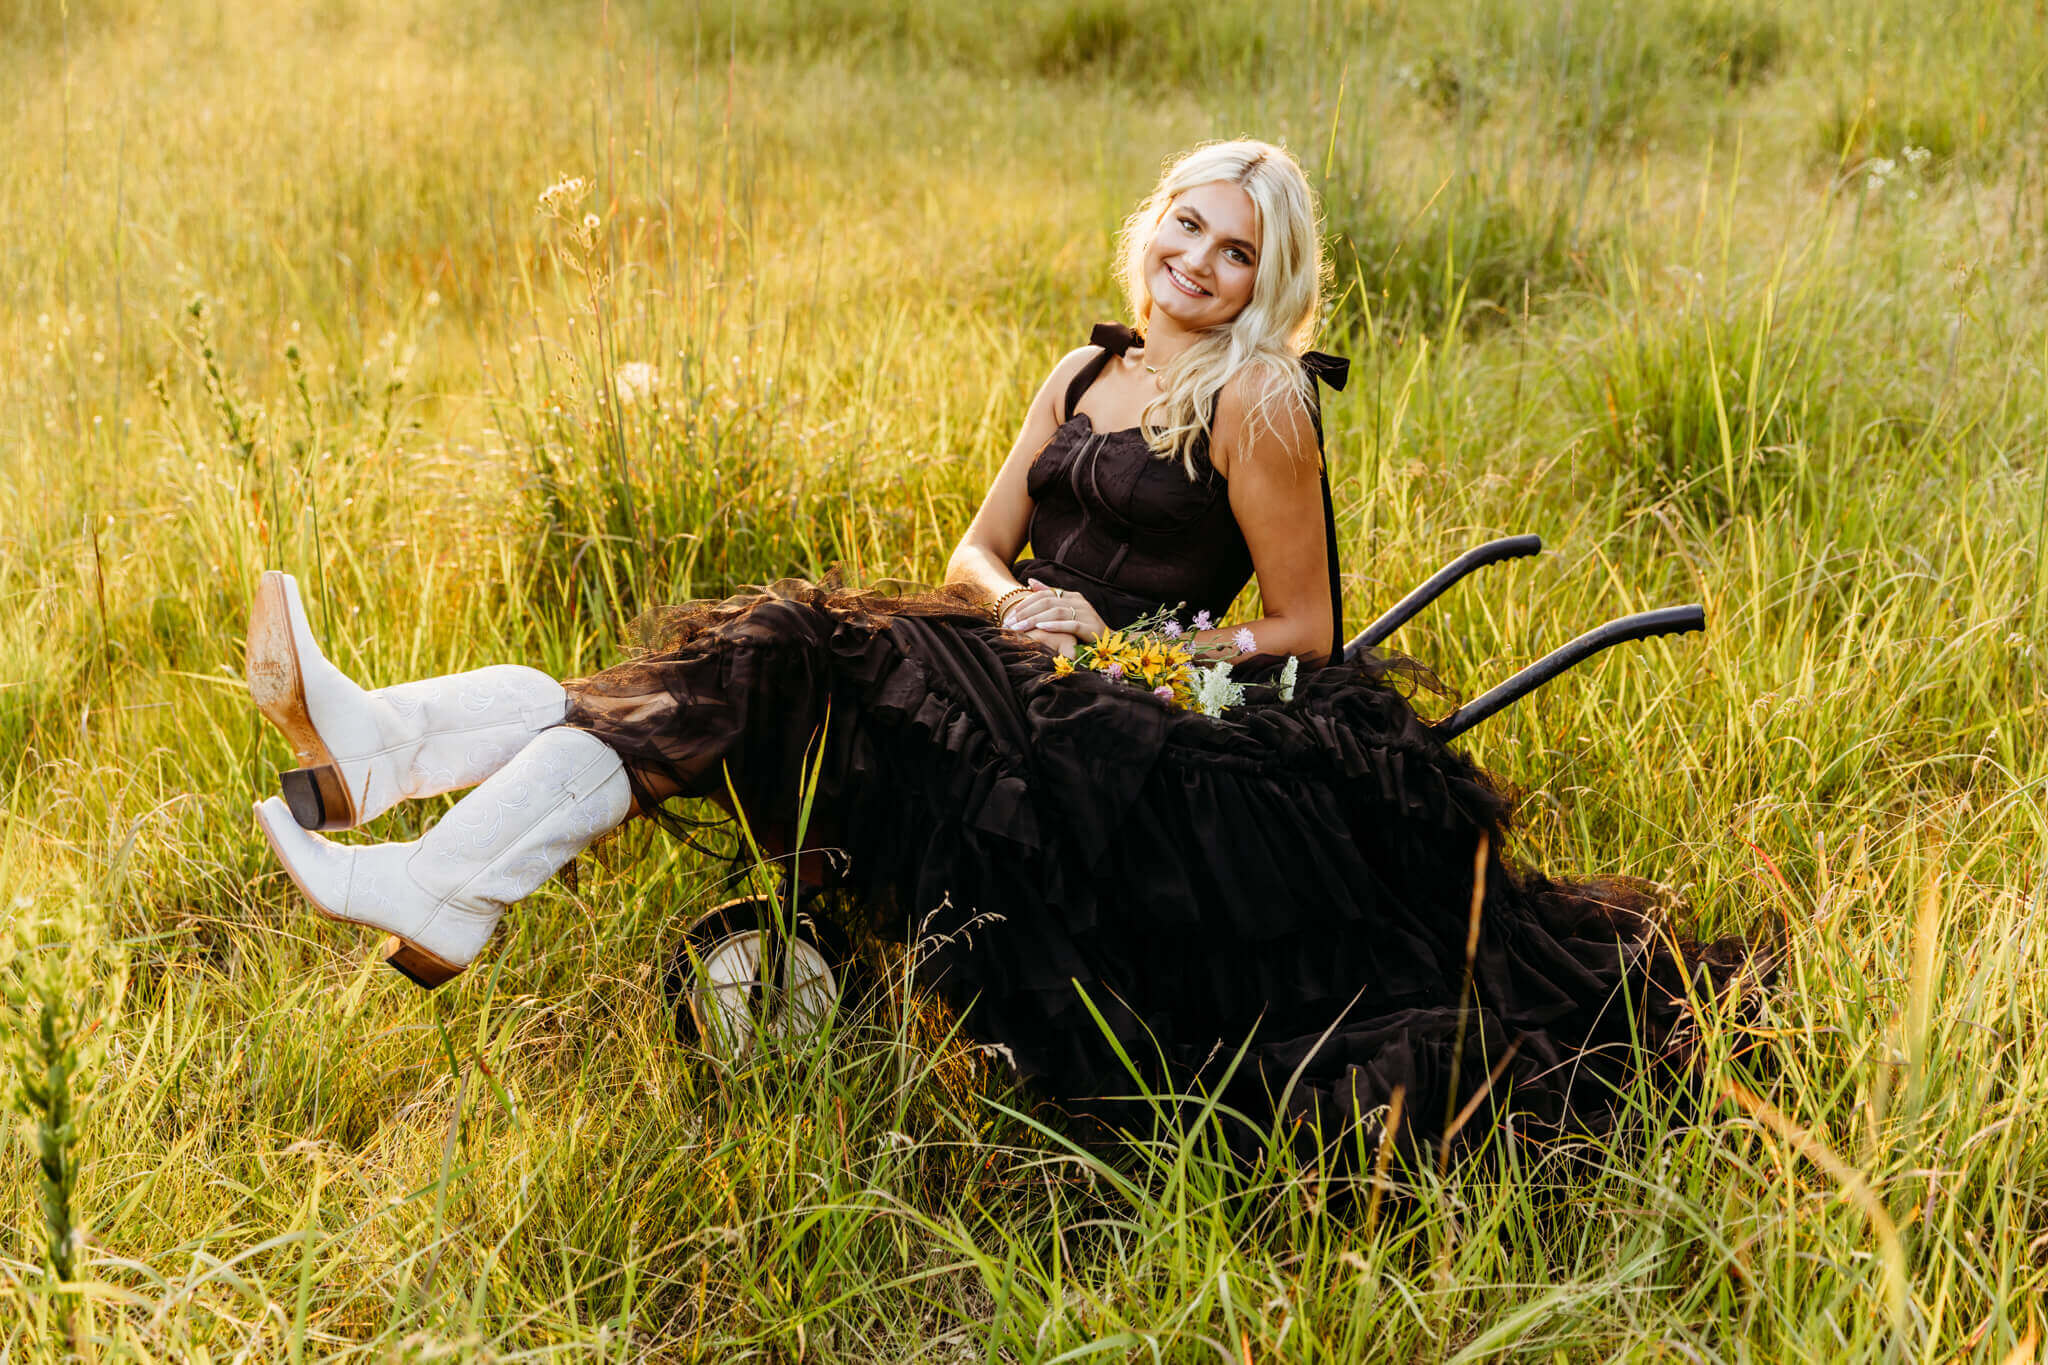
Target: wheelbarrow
{"points": [[759, 966]]}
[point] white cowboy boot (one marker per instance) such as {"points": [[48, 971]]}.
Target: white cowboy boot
{"points": [[366, 751], [440, 895]]}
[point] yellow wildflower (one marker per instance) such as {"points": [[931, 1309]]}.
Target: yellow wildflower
{"points": [[1156, 657], [1061, 666]]}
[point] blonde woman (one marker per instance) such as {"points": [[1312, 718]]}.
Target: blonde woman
{"points": [[1294, 876]]}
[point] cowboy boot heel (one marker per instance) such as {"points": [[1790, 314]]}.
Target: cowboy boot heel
{"points": [[417, 965], [317, 797]]}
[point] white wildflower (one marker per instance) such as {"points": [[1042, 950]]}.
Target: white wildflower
{"points": [[636, 381], [1287, 675], [564, 194], [1880, 169], [1916, 157], [1214, 692]]}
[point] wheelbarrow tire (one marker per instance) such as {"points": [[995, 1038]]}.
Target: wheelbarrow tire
{"points": [[734, 974]]}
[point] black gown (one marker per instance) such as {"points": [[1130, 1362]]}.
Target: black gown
{"points": [[1272, 905]]}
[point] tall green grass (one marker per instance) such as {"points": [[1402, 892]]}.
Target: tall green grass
{"points": [[275, 291]]}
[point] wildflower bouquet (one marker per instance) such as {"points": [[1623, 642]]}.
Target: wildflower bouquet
{"points": [[1156, 653]]}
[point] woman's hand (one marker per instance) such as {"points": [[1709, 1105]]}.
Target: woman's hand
{"points": [[1055, 611], [1057, 641]]}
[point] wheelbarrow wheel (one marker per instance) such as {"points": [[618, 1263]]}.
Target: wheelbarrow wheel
{"points": [[738, 975]]}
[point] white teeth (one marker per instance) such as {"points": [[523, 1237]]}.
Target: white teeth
{"points": [[1184, 282]]}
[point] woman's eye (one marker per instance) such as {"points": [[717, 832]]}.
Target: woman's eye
{"points": [[1189, 224], [1237, 254]]}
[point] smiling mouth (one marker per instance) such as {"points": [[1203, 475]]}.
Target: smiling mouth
{"points": [[1184, 284]]}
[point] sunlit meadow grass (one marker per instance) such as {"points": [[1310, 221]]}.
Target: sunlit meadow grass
{"points": [[1657, 279]]}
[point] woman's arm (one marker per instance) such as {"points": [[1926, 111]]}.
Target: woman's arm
{"points": [[996, 536], [1276, 493]]}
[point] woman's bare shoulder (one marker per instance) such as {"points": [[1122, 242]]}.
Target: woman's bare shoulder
{"points": [[1261, 409], [1070, 364], [1053, 391], [1254, 384]]}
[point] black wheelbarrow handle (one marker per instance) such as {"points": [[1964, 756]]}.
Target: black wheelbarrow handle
{"points": [[1641, 626], [1492, 552]]}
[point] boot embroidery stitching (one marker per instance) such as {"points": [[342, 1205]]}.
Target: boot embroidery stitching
{"points": [[490, 865], [486, 829]]}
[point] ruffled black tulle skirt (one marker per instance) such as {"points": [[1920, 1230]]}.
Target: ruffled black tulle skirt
{"points": [[1276, 906]]}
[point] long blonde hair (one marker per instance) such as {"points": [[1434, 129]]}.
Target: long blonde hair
{"points": [[1277, 323]]}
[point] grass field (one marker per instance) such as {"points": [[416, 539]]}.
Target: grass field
{"points": [[1733, 302]]}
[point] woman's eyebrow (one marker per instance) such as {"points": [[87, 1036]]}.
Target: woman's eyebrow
{"points": [[1202, 222]]}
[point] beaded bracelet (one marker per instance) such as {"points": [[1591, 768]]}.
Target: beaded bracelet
{"points": [[1002, 604]]}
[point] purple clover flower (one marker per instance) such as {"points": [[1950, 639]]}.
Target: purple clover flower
{"points": [[1171, 630], [1114, 670], [1244, 641], [1163, 692], [1203, 620]]}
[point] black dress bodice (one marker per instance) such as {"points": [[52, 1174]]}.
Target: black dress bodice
{"points": [[1129, 530], [1132, 531]]}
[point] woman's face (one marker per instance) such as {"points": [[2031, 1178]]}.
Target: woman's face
{"points": [[1204, 256]]}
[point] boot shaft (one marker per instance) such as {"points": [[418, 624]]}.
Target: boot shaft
{"points": [[442, 894]]}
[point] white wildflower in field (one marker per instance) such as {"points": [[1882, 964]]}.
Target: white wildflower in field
{"points": [[1287, 675], [636, 381], [564, 194], [1882, 170]]}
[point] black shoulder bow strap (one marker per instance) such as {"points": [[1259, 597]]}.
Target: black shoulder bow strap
{"points": [[1335, 371], [1115, 338]]}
